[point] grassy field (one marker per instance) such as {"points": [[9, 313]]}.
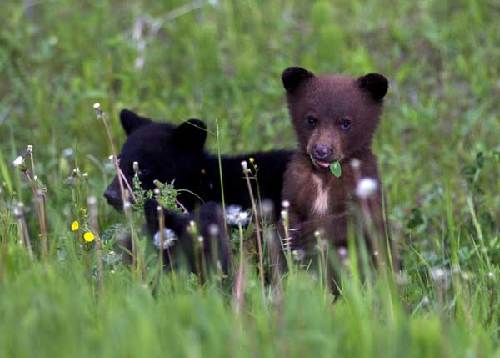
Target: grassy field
{"points": [[221, 61]]}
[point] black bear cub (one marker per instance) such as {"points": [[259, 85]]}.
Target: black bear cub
{"points": [[170, 153], [334, 117], [176, 154]]}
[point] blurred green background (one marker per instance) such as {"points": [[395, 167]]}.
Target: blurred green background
{"points": [[223, 59]]}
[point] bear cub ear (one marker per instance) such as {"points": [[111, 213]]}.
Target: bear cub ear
{"points": [[292, 77], [131, 121], [191, 134], [375, 84]]}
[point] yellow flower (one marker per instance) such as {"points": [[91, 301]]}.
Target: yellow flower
{"points": [[75, 225], [88, 236]]}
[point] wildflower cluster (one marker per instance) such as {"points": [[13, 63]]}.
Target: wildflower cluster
{"points": [[140, 194], [88, 236], [166, 196]]}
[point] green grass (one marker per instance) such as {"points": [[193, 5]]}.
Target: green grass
{"points": [[437, 146]]}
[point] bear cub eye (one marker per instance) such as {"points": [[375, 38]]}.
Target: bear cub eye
{"points": [[311, 120], [345, 124]]}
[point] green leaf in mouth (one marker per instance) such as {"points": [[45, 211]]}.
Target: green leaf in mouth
{"points": [[336, 169]]}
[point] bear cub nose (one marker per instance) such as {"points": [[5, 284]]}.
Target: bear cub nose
{"points": [[321, 151]]}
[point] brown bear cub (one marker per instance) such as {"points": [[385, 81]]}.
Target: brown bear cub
{"points": [[334, 117]]}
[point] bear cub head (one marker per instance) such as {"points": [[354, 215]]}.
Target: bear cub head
{"points": [[334, 116], [164, 152]]}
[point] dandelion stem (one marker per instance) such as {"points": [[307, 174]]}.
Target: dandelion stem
{"points": [[257, 227], [93, 222]]}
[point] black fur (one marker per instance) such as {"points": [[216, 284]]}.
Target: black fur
{"points": [[214, 251], [292, 77], [376, 84], [176, 154]]}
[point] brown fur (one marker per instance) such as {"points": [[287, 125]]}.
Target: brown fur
{"points": [[319, 200]]}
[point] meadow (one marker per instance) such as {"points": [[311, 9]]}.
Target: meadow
{"points": [[221, 61]]}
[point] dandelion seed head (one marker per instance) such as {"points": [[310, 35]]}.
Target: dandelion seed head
{"points": [[213, 230], [169, 239], [18, 210], [355, 164], [366, 188], [235, 215], [439, 274], [18, 161], [67, 152], [91, 200], [156, 191], [200, 239], [97, 106], [244, 165], [342, 251], [29, 149], [135, 167], [285, 204]]}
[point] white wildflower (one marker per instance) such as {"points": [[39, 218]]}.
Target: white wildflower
{"points": [[67, 152], [355, 164], [169, 239], [235, 215], [342, 251], [18, 161], [213, 230], [366, 187]]}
